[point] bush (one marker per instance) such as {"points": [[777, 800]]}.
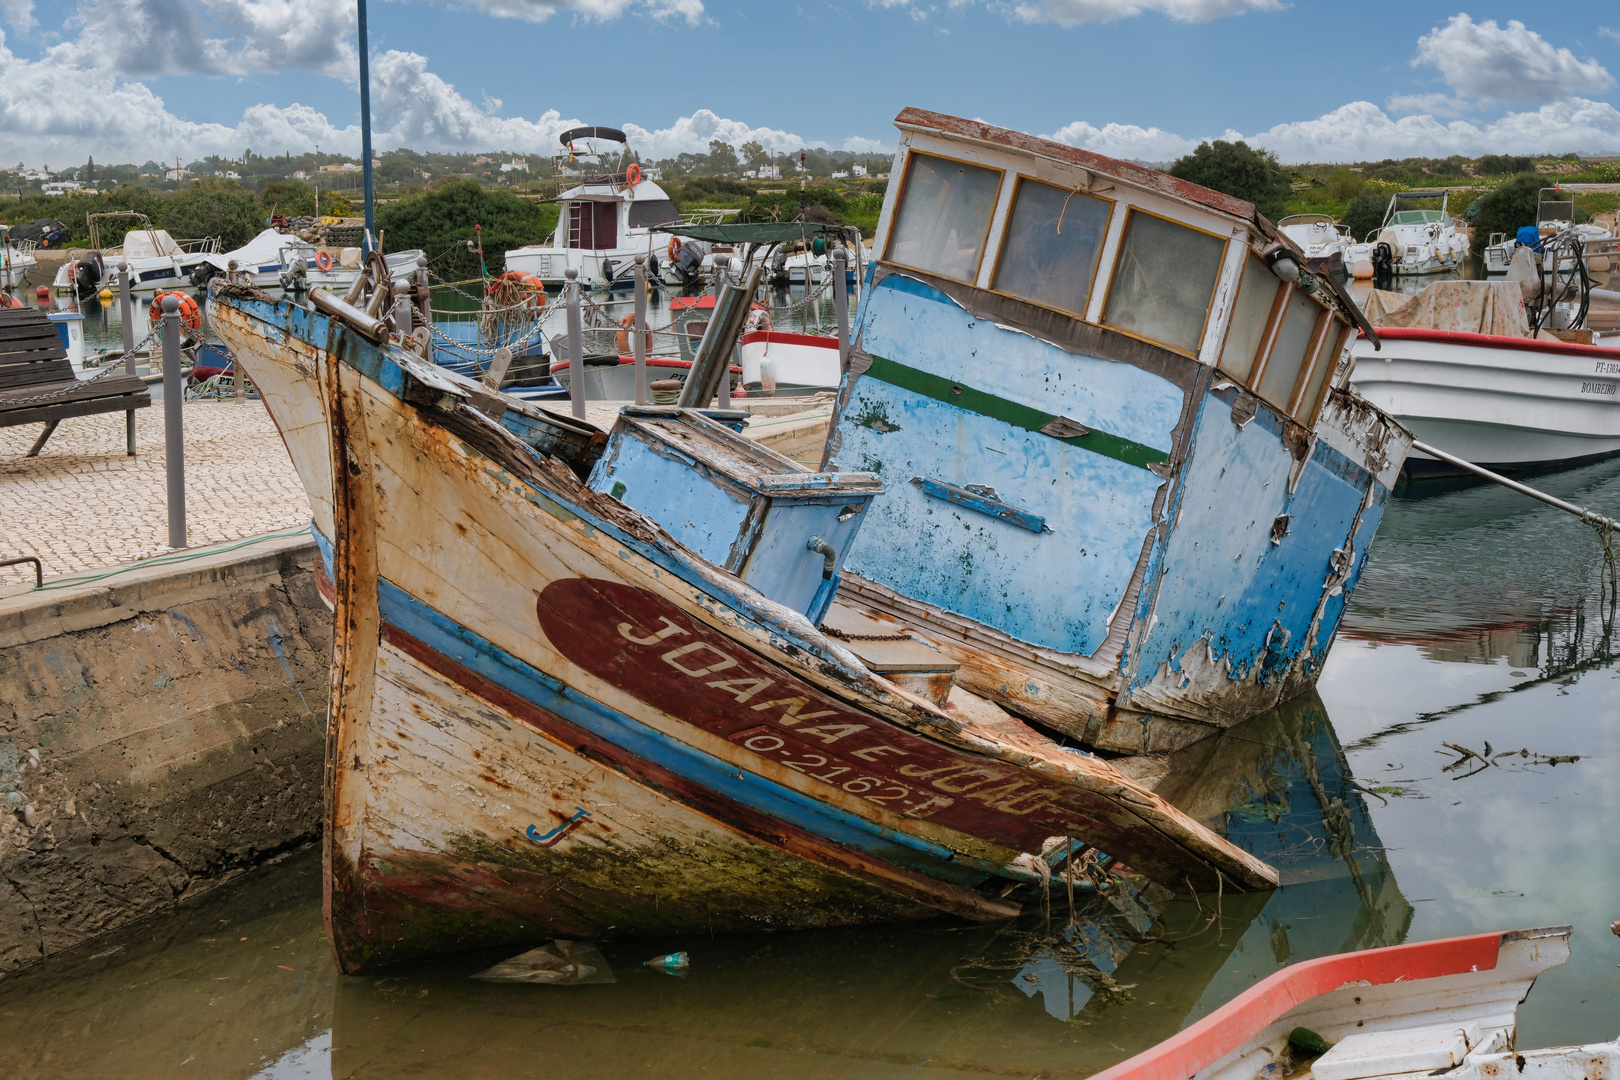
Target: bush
{"points": [[219, 208], [440, 222], [290, 197], [1365, 213], [1502, 165], [1237, 170], [1509, 207]]}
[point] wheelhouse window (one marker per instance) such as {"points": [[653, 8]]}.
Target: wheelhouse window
{"points": [[1051, 245], [1251, 315], [1164, 280], [944, 216], [1292, 349], [652, 212], [1327, 358]]}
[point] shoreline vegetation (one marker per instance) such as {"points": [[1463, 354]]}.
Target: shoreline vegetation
{"points": [[432, 201]]}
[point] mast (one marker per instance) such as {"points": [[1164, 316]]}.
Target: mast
{"points": [[365, 131]]}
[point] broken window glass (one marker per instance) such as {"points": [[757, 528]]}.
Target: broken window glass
{"points": [[944, 216], [1049, 254], [1289, 354], [1257, 294], [1164, 280]]}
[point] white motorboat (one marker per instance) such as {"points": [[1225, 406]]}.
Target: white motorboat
{"points": [[16, 259], [1433, 1008], [1412, 242], [277, 259], [1322, 242], [157, 261], [787, 364], [1555, 216], [1460, 366], [606, 220]]}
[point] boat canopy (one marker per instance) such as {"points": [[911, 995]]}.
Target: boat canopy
{"points": [[613, 134], [262, 249], [764, 232], [149, 244]]}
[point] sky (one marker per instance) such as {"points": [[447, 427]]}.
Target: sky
{"points": [[132, 80]]}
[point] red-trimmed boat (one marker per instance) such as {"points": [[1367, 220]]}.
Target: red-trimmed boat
{"points": [[1438, 1007]]}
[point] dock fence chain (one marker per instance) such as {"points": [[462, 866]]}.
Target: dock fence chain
{"points": [[114, 367]]}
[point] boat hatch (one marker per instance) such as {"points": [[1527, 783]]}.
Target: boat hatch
{"points": [[773, 523]]}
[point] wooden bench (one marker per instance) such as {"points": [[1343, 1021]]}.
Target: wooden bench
{"points": [[37, 384]]}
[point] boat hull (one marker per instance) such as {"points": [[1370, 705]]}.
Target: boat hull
{"points": [[784, 363], [515, 751], [1510, 404]]}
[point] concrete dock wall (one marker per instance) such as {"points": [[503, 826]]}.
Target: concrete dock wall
{"points": [[160, 731]]}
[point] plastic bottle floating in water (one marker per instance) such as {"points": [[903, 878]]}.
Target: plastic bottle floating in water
{"points": [[675, 961]]}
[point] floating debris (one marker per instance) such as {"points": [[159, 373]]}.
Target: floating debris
{"points": [[675, 962], [1487, 758], [560, 963]]}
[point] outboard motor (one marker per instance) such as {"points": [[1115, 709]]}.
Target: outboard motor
{"points": [[779, 273], [689, 263], [1383, 260], [652, 269], [202, 274], [87, 278]]}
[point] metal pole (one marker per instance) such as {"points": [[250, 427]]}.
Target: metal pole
{"points": [[126, 314], [1523, 489], [840, 262], [174, 444], [638, 331], [403, 310], [576, 345], [365, 131]]}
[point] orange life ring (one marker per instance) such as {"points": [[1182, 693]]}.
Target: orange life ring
{"points": [[190, 313], [623, 338], [674, 248], [632, 175], [323, 260], [532, 282]]}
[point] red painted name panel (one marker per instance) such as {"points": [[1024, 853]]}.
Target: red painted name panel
{"points": [[653, 650]]}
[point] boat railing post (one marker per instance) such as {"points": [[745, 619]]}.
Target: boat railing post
{"points": [[403, 310], [422, 292], [638, 331], [840, 292], [576, 345], [174, 446]]}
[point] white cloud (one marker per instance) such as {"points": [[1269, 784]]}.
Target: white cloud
{"points": [[147, 38], [1124, 141], [1075, 12], [1507, 65], [18, 14], [1433, 104], [596, 10]]}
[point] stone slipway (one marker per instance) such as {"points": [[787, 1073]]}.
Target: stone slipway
{"points": [[160, 731]]}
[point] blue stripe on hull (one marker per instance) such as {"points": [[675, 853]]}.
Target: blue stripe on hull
{"points": [[489, 660]]}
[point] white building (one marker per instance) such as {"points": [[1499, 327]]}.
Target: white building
{"points": [[61, 187], [177, 174], [300, 175], [840, 176], [515, 165], [857, 170]]}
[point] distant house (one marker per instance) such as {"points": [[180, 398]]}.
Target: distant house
{"points": [[177, 174], [857, 170], [770, 172], [426, 175], [300, 175], [228, 175], [61, 187], [840, 176], [347, 166], [515, 165]]}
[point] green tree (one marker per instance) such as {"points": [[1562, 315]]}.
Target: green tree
{"points": [[722, 158], [1365, 213], [1237, 170], [293, 198], [753, 154], [1508, 207], [219, 208], [440, 221]]}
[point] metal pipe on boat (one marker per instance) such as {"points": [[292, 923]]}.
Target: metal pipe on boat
{"points": [[576, 345], [840, 260], [638, 330], [332, 305], [1523, 489], [174, 443], [711, 365]]}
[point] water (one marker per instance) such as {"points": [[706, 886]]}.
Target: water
{"points": [[1477, 620]]}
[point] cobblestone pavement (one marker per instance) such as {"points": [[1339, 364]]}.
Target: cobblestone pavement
{"points": [[83, 504]]}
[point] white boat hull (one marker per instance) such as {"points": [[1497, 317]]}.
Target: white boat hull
{"points": [[775, 362], [1494, 402]]}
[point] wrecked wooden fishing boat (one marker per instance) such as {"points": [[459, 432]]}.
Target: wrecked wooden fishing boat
{"points": [[551, 716], [1128, 488]]}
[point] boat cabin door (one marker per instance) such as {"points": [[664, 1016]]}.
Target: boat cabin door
{"points": [[593, 226]]}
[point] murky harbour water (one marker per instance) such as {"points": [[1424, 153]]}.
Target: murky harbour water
{"points": [[1477, 621]]}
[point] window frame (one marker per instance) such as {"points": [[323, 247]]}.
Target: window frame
{"points": [[1346, 331], [1006, 227], [1313, 353], [1279, 312], [1131, 209], [1263, 348], [900, 204]]}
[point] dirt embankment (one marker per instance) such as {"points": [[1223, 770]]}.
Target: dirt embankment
{"points": [[160, 732]]}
